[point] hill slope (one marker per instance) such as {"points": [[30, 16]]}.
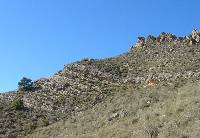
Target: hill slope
{"points": [[150, 91], [157, 112]]}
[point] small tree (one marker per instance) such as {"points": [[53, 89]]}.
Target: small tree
{"points": [[25, 84], [17, 104]]}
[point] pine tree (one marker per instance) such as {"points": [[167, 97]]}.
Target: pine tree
{"points": [[25, 84]]}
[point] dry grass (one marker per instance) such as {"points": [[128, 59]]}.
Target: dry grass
{"points": [[151, 112]]}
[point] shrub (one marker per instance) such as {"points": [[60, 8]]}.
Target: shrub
{"points": [[1, 106], [45, 122], [17, 104], [25, 84]]}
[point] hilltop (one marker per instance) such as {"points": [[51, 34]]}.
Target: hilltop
{"points": [[150, 91]]}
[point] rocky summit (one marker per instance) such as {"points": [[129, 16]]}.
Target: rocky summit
{"points": [[151, 91]]}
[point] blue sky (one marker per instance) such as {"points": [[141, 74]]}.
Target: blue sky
{"points": [[37, 37]]}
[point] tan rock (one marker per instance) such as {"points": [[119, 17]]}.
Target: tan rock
{"points": [[150, 39], [165, 37], [140, 42], [196, 35], [152, 82]]}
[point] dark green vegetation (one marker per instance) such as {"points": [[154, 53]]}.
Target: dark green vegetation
{"points": [[18, 120], [152, 91], [25, 84], [17, 104]]}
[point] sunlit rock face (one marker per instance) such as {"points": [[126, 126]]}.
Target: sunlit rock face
{"points": [[168, 38]]}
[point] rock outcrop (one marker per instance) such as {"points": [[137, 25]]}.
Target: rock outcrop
{"points": [[150, 40], [196, 35], [166, 38], [140, 42]]}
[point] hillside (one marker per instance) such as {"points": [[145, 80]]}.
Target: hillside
{"points": [[150, 91], [158, 112]]}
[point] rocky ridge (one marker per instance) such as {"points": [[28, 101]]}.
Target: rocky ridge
{"points": [[191, 39], [166, 60]]}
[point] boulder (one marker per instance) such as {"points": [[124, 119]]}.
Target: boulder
{"points": [[196, 35], [166, 37], [150, 39], [140, 42]]}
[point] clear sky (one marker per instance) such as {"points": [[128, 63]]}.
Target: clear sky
{"points": [[37, 37]]}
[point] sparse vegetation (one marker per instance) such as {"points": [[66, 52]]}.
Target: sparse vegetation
{"points": [[152, 91], [17, 104], [161, 119]]}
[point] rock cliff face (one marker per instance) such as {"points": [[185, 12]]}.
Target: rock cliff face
{"points": [[165, 60]]}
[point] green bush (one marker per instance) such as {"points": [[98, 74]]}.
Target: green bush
{"points": [[17, 104], [25, 84]]}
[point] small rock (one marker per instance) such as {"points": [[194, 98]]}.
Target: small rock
{"points": [[140, 42], [196, 35], [114, 115]]}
